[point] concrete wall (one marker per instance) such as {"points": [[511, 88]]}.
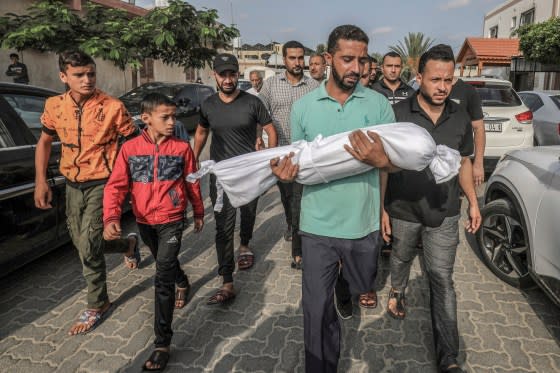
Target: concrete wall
{"points": [[502, 15]]}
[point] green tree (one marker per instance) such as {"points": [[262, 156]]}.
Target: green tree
{"points": [[320, 49], [177, 34], [540, 42], [414, 45]]}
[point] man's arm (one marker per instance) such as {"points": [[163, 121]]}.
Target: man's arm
{"points": [[385, 221], [271, 133], [10, 72], [200, 138], [479, 145], [43, 193], [467, 185]]}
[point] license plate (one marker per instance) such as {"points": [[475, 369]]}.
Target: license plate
{"points": [[493, 126]]}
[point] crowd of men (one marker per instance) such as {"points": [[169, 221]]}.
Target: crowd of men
{"points": [[336, 230]]}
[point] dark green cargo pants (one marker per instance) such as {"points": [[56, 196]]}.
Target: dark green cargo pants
{"points": [[84, 214]]}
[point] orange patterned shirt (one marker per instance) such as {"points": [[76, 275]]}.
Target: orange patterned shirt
{"points": [[89, 134]]}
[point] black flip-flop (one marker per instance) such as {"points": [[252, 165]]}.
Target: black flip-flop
{"points": [[158, 357]]}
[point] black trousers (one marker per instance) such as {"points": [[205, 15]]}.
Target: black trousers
{"points": [[164, 241], [290, 195], [321, 327], [225, 227]]}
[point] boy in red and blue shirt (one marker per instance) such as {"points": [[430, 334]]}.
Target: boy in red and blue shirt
{"points": [[153, 167]]}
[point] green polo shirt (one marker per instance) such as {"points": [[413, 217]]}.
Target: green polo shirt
{"points": [[346, 208]]}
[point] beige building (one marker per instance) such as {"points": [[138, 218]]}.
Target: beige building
{"points": [[503, 20], [43, 67]]}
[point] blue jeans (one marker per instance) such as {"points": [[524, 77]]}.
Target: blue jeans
{"points": [[440, 246]]}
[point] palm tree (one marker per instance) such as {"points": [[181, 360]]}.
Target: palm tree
{"points": [[414, 45]]}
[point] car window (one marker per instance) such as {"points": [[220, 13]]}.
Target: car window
{"points": [[556, 100], [497, 95], [532, 101], [188, 92], [244, 85], [138, 93], [29, 108], [6, 140]]}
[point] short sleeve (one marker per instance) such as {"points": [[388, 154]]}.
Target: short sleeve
{"points": [[466, 148], [387, 113], [49, 125], [263, 117], [474, 104], [203, 117]]}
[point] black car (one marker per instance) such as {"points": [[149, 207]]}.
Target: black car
{"points": [[26, 232], [188, 97]]}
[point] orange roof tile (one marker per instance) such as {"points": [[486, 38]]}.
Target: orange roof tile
{"points": [[490, 49]]}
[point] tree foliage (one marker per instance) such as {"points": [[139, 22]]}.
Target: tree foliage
{"points": [[321, 48], [178, 34], [415, 44], [540, 42]]}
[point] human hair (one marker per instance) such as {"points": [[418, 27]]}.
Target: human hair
{"points": [[345, 32], [152, 100], [14, 55], [291, 44], [391, 54], [74, 58], [320, 55], [373, 60], [439, 52], [259, 73]]}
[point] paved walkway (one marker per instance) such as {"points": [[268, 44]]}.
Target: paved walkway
{"points": [[501, 328]]}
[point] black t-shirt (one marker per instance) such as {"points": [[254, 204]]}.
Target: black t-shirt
{"points": [[402, 92], [468, 98], [233, 125], [413, 195]]}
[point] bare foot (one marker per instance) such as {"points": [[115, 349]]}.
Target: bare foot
{"points": [[88, 320]]}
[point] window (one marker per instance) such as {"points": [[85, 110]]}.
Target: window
{"points": [[493, 32], [29, 108], [513, 22], [532, 101], [556, 100], [497, 95], [527, 17], [6, 140]]}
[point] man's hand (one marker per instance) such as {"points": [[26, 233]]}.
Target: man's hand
{"points": [[198, 224], [475, 219], [43, 196], [478, 173], [112, 231], [366, 150], [259, 144], [284, 169], [385, 226]]}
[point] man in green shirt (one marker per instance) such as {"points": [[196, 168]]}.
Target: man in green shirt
{"points": [[340, 220]]}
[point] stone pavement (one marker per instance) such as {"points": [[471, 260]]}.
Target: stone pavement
{"points": [[501, 328]]}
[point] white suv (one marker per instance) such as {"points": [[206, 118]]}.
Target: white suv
{"points": [[508, 122]]}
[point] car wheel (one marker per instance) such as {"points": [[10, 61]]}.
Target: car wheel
{"points": [[504, 243]]}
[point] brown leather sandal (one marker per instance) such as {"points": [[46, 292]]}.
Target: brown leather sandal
{"points": [[368, 300], [401, 310]]}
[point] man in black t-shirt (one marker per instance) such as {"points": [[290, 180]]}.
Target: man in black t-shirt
{"points": [[391, 85], [234, 117], [418, 208]]}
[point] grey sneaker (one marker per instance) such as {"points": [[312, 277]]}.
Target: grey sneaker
{"points": [[343, 310]]}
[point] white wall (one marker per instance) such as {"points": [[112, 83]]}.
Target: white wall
{"points": [[502, 15]]}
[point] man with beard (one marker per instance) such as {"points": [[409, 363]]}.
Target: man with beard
{"points": [[317, 67], [233, 116], [278, 94], [421, 209], [392, 85], [339, 219]]}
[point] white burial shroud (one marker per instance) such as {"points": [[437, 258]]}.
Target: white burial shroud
{"points": [[322, 160]]}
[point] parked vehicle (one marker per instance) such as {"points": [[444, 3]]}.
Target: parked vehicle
{"points": [[508, 122], [244, 84], [519, 237], [26, 232], [188, 97], [545, 106]]}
